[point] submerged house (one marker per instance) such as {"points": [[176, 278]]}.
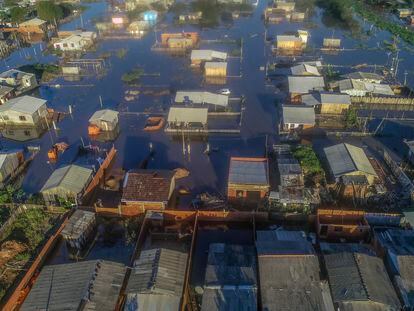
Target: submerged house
{"points": [[83, 285], [157, 280], [289, 273], [10, 161], [66, 183], [76, 41], [33, 26], [78, 230], [147, 190], [360, 88], [230, 278], [215, 69], [104, 120], [25, 110], [200, 56], [348, 160], [181, 40], [297, 117], [331, 43], [184, 118], [213, 101], [299, 85], [289, 43], [248, 181], [333, 103], [19, 80]]}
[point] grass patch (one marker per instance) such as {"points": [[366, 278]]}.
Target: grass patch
{"points": [[310, 164]]}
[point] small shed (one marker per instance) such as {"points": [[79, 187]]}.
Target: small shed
{"points": [[66, 183], [78, 230], [331, 43], [183, 117], [295, 117], [9, 163], [105, 120], [248, 180], [215, 69]]}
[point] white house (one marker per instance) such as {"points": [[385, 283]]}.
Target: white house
{"points": [[77, 41], [25, 110]]}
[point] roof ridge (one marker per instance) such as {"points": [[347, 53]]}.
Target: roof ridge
{"points": [[354, 254], [350, 155]]}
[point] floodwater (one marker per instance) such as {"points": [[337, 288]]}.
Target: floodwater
{"points": [[260, 117]]}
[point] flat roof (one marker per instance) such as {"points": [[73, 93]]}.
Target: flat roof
{"points": [[345, 158], [252, 171], [305, 84], [24, 104], [185, 114], [207, 55], [201, 97], [298, 114]]}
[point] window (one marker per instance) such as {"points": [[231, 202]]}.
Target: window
{"points": [[72, 45], [22, 118], [27, 132], [5, 118]]}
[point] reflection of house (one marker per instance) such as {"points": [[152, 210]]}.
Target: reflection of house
{"points": [[147, 190], [190, 17], [84, 285], [20, 80], [35, 25], [299, 85], [195, 98], [9, 163], [248, 180], [105, 120], [297, 117], [181, 40], [25, 110], [187, 118], [78, 230], [157, 280], [139, 27], [6, 92], [215, 69], [230, 278], [199, 56], [396, 246], [359, 281], [289, 273], [66, 183], [304, 70], [24, 133], [76, 41], [348, 160]]}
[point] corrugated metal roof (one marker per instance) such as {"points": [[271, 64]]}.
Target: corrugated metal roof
{"points": [[345, 158], [33, 22], [288, 38], [66, 286], [4, 90], [207, 55], [107, 115], [24, 104], [248, 171], [14, 73], [78, 223], [296, 114], [303, 85], [229, 299], [282, 242], [360, 75], [191, 115], [196, 97], [71, 177], [335, 98], [146, 302], [311, 100], [302, 69]]}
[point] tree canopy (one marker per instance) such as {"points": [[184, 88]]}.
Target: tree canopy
{"points": [[17, 14], [49, 11]]}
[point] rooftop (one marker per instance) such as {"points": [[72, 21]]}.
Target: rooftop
{"points": [[297, 114], [288, 38], [71, 177], [345, 158], [335, 98], [304, 69], [147, 186], [229, 299], [23, 104], [210, 65], [191, 115], [360, 75], [104, 115], [14, 73], [207, 55], [4, 90], [33, 22], [306, 84], [197, 97], [248, 171], [68, 286], [282, 242], [78, 223], [400, 242]]}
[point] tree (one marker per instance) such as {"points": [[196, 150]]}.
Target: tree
{"points": [[49, 11], [17, 14]]}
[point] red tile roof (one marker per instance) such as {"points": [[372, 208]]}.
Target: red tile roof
{"points": [[147, 186]]}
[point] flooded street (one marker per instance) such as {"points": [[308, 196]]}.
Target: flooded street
{"points": [[259, 120]]}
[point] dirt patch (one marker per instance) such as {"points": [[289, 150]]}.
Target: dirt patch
{"points": [[9, 250]]}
